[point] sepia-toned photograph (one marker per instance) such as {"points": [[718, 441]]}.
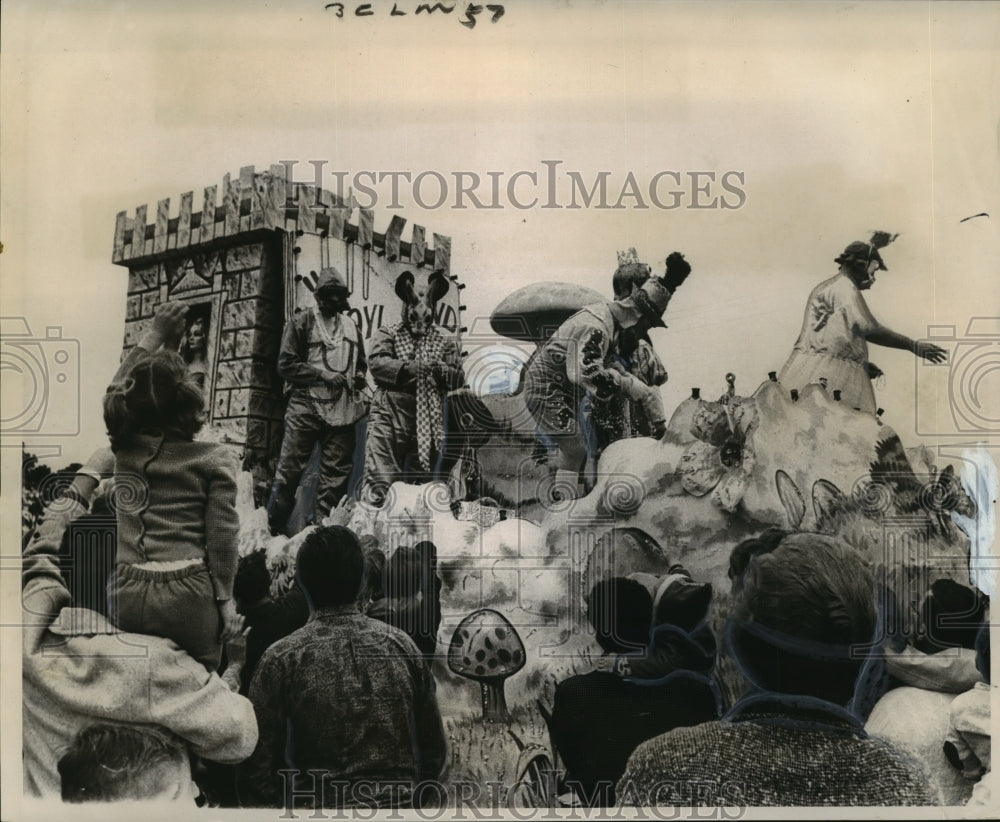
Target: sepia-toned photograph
{"points": [[524, 410]]}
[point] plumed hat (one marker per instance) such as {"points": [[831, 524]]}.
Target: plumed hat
{"points": [[863, 253]]}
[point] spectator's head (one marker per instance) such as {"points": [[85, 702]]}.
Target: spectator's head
{"points": [[621, 611], [950, 615], [374, 573], [156, 396], [763, 543], [253, 581], [801, 614], [330, 567], [115, 763], [402, 574], [680, 601]]}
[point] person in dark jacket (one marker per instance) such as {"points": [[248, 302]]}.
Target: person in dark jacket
{"points": [[322, 359], [268, 618], [411, 596], [646, 684]]}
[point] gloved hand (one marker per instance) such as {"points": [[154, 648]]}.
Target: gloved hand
{"points": [[652, 404], [633, 388], [444, 374], [409, 372], [360, 381], [677, 270]]}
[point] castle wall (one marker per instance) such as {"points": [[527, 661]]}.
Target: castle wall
{"points": [[243, 265]]}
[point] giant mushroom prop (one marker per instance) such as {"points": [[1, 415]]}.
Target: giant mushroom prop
{"points": [[485, 647], [535, 311]]}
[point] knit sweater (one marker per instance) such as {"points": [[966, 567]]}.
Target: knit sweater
{"points": [[184, 505], [772, 752]]}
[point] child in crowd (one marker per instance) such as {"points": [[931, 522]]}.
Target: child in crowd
{"points": [[126, 763], [178, 529]]}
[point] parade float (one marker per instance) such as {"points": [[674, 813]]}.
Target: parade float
{"points": [[741, 454]]}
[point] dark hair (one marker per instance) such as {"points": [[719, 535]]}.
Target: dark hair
{"points": [[803, 612], [950, 616], [252, 582], [628, 277], [188, 353], [375, 569], [402, 573], [156, 395], [812, 587], [621, 611], [108, 762], [330, 567], [685, 605]]}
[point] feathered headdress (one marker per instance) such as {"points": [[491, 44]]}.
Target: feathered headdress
{"points": [[880, 239], [859, 253]]}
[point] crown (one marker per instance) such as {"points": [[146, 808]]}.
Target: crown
{"points": [[628, 257]]}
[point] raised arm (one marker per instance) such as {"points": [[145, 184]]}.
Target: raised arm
{"points": [[165, 330], [864, 323], [891, 339]]}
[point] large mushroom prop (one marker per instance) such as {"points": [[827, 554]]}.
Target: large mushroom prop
{"points": [[535, 311], [485, 647]]}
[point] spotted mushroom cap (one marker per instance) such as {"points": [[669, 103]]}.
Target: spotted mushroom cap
{"points": [[485, 646]]}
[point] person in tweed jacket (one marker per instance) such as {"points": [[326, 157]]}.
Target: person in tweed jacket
{"points": [[796, 738]]}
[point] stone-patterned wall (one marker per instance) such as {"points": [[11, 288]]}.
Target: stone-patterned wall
{"points": [[243, 287], [228, 261], [248, 392]]}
